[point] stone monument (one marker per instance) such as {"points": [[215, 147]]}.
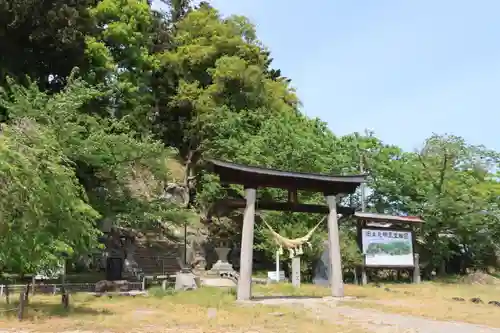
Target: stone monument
{"points": [[130, 266], [322, 270]]}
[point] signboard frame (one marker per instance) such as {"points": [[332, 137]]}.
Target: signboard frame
{"points": [[388, 229]]}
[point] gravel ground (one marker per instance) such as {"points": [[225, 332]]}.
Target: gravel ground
{"points": [[373, 320]]}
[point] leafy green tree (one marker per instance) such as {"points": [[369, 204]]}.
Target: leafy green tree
{"points": [[448, 184], [219, 67], [43, 39], [183, 85], [43, 208], [122, 172]]}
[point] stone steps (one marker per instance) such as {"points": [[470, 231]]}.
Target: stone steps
{"points": [[158, 260]]}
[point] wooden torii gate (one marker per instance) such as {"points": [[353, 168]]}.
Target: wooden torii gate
{"points": [[253, 178]]}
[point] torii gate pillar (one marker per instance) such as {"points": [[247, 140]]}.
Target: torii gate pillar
{"points": [[336, 283], [244, 292]]}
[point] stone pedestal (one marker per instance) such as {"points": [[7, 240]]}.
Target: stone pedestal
{"points": [[185, 281], [296, 272], [222, 265]]}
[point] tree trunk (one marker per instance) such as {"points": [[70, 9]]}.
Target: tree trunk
{"points": [[442, 268]]}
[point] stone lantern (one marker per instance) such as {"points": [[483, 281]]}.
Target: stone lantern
{"points": [[222, 265]]}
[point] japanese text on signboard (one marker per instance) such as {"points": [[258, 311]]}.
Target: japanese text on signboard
{"points": [[387, 234]]}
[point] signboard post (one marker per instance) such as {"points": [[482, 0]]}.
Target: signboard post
{"points": [[416, 271], [387, 248]]}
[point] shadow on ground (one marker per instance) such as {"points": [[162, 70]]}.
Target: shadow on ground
{"points": [[40, 310], [273, 297]]}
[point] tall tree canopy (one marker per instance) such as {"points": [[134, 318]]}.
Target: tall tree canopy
{"points": [[102, 97]]}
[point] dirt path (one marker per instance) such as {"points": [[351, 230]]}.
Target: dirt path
{"points": [[373, 320]]}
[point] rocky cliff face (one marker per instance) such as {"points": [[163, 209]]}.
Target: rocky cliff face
{"points": [[197, 238]]}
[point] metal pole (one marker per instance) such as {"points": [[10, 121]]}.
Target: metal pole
{"points": [[362, 187], [277, 266], [185, 244], [364, 277]]}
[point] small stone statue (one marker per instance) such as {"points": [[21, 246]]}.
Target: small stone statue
{"points": [[199, 263]]}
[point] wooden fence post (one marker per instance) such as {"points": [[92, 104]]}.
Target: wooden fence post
{"points": [[22, 304], [64, 297], [26, 293], [7, 294], [33, 284]]}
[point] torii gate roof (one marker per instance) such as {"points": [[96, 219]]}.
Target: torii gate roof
{"points": [[253, 176]]}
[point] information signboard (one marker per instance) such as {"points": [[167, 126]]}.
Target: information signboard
{"points": [[387, 247]]}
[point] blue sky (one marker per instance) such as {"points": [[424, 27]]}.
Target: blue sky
{"points": [[404, 69]]}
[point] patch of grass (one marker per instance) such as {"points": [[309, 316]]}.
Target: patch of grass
{"points": [[445, 311], [176, 169], [215, 309], [287, 289], [260, 274], [159, 292], [430, 299], [39, 308], [427, 291], [204, 310]]}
